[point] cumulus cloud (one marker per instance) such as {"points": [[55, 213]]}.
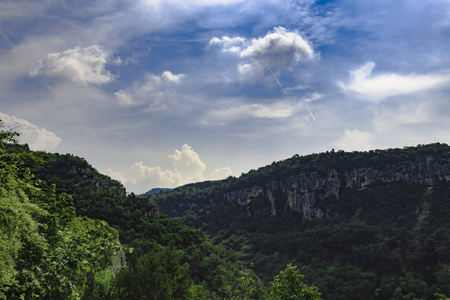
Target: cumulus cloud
{"points": [[220, 173], [279, 49], [187, 163], [80, 65], [154, 91], [353, 140], [187, 168], [115, 175], [379, 87], [37, 138], [154, 176]]}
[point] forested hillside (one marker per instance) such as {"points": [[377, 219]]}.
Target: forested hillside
{"points": [[68, 232], [360, 225]]}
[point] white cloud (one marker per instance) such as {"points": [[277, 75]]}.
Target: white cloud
{"points": [[228, 44], [115, 175], [236, 111], [220, 173], [278, 49], [154, 91], [187, 168], [80, 65], [188, 4], [124, 98], [37, 138], [353, 140], [188, 164], [154, 176], [379, 87], [406, 114]]}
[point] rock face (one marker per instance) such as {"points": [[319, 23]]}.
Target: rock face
{"points": [[86, 175], [300, 193]]}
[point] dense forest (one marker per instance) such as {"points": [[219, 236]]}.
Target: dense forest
{"points": [[387, 241], [69, 232]]}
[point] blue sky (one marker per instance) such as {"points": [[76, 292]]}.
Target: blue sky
{"points": [[161, 93]]}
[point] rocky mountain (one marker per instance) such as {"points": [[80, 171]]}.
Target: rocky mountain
{"points": [[302, 192], [360, 225], [304, 184]]}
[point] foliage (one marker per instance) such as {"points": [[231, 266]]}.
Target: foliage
{"points": [[157, 275], [57, 243], [377, 243], [45, 250], [288, 285]]}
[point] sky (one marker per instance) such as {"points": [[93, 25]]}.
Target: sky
{"points": [[162, 93]]}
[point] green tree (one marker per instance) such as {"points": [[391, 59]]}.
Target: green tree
{"points": [[157, 275], [288, 285]]}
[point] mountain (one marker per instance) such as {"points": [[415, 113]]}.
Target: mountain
{"points": [[156, 191], [362, 225], [69, 232]]}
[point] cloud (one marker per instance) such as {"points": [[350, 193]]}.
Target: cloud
{"points": [[353, 140], [115, 175], [154, 176], [188, 164], [154, 91], [220, 173], [187, 168], [188, 4], [379, 87], [228, 44], [80, 65], [37, 138], [279, 49], [232, 111]]}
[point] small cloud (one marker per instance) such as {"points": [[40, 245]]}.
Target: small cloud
{"points": [[187, 168], [154, 91], [280, 48], [353, 140], [220, 173], [379, 87], [167, 76], [154, 176], [299, 87], [188, 164], [115, 175], [228, 44], [237, 111], [80, 65], [124, 98], [37, 138]]}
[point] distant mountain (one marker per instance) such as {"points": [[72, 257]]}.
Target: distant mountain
{"points": [[362, 225], [156, 191]]}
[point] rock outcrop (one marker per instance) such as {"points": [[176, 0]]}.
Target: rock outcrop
{"points": [[300, 193]]}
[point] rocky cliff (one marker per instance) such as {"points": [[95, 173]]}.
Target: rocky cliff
{"points": [[300, 193]]}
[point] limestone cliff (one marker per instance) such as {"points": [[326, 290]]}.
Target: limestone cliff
{"points": [[300, 193]]}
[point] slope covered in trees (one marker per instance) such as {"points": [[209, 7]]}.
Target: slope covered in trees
{"points": [[385, 241], [60, 226]]}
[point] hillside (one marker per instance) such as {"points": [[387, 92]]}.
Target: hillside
{"points": [[372, 225], [69, 232], [361, 225]]}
